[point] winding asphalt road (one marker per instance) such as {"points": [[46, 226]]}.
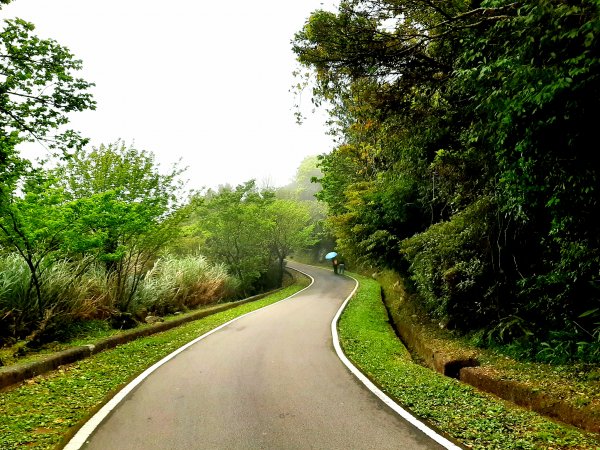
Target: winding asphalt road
{"points": [[270, 380]]}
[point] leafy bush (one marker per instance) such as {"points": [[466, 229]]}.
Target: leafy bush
{"points": [[573, 343], [523, 340], [449, 264]]}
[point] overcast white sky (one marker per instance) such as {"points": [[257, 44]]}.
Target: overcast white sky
{"points": [[205, 81]]}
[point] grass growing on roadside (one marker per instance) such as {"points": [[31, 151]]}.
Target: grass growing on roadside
{"points": [[576, 383], [179, 283], [39, 413], [476, 419], [72, 292]]}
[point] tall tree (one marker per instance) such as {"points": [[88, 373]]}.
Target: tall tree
{"points": [[462, 119], [291, 230], [235, 226], [33, 226], [126, 210], [38, 91]]}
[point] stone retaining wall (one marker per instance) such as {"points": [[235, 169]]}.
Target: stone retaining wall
{"points": [[434, 358]]}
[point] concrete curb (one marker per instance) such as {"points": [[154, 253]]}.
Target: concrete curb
{"points": [[16, 373], [584, 417], [466, 369]]}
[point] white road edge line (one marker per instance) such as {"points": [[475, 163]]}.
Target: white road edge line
{"points": [[82, 435], [378, 392]]}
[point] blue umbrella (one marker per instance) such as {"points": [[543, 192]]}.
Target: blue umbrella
{"points": [[330, 255]]}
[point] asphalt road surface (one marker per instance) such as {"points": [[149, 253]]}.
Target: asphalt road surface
{"points": [[270, 380]]}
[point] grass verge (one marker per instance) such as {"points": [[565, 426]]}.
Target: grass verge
{"points": [[574, 384], [40, 412], [476, 419]]}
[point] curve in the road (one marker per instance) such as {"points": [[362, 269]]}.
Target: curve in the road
{"points": [[265, 380], [375, 390], [82, 435]]}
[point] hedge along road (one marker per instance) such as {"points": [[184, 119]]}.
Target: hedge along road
{"points": [[268, 380]]}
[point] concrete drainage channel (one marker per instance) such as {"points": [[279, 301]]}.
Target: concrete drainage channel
{"points": [[17, 373], [467, 370]]}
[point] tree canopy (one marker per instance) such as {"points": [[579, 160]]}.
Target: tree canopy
{"points": [[251, 231], [39, 88], [465, 156]]}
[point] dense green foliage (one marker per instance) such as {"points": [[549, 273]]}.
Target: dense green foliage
{"points": [[465, 158], [251, 232], [81, 237], [38, 90], [125, 210]]}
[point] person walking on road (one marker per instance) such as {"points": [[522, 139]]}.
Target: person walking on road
{"points": [[335, 265], [341, 267]]}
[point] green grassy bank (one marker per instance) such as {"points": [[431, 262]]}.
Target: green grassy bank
{"points": [[39, 413], [475, 419]]}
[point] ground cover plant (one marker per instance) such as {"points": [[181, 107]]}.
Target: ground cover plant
{"points": [[475, 419], [39, 413]]}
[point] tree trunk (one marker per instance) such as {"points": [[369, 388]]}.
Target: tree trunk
{"points": [[281, 266]]}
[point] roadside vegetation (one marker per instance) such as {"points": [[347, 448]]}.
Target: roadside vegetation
{"points": [[126, 255], [475, 419], [463, 166], [464, 160], [577, 383], [39, 413], [94, 234]]}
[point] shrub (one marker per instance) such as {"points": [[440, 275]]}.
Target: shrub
{"points": [[70, 291], [449, 264], [179, 283]]}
